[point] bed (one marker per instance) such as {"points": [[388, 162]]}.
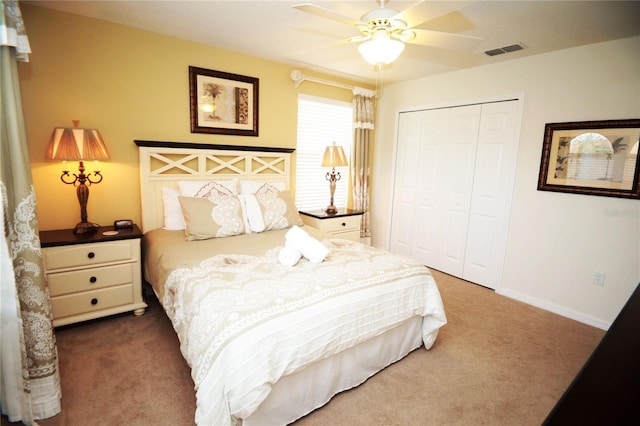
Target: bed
{"points": [[268, 341]]}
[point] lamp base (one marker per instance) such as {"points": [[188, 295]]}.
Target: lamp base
{"points": [[86, 228], [331, 209]]}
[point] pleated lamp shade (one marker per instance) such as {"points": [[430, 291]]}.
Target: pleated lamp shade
{"points": [[334, 157], [75, 143]]}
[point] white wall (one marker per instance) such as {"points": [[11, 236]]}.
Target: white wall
{"points": [[556, 241]]}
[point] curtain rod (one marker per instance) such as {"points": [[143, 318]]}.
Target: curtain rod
{"points": [[298, 78]]}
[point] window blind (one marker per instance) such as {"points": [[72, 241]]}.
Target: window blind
{"points": [[321, 122]]}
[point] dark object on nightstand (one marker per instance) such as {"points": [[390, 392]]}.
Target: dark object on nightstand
{"points": [[123, 224]]}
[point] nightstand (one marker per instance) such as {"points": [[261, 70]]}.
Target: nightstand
{"points": [[92, 275], [344, 224]]}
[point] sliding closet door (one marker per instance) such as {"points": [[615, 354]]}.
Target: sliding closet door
{"points": [[492, 186], [458, 165], [430, 176], [454, 177], [421, 165], [404, 193]]}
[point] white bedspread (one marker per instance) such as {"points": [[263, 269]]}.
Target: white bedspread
{"points": [[245, 321]]}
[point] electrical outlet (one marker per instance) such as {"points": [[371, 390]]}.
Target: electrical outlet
{"points": [[598, 278]]}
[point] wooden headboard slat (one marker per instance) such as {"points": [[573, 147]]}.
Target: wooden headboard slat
{"points": [[217, 147]]}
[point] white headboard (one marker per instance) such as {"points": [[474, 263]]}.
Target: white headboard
{"points": [[163, 164]]}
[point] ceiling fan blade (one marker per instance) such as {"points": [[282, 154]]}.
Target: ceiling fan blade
{"points": [[360, 38], [324, 46], [447, 41], [428, 10], [325, 13], [449, 59]]}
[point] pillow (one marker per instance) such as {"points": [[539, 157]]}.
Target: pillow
{"points": [[261, 187], [271, 211], [208, 188], [212, 217], [173, 219]]}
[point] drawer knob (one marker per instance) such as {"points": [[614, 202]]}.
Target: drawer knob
{"points": [[91, 255], [93, 279], [344, 224], [94, 301]]}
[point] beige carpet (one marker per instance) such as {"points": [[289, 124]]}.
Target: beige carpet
{"points": [[497, 362]]}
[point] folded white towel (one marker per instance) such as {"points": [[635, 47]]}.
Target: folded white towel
{"points": [[310, 248], [289, 255], [296, 234]]}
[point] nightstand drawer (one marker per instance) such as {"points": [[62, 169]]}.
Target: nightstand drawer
{"points": [[339, 224], [90, 279], [87, 254], [350, 235], [89, 301]]}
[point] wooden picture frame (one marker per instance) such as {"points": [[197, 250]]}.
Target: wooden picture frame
{"points": [[591, 158], [223, 103]]}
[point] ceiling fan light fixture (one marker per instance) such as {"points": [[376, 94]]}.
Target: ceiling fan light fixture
{"points": [[381, 49]]}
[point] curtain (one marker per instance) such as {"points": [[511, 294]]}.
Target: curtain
{"points": [[363, 116], [29, 375]]}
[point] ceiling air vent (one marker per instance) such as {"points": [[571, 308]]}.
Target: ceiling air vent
{"points": [[505, 49]]}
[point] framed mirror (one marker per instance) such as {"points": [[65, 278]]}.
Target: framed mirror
{"points": [[592, 158]]}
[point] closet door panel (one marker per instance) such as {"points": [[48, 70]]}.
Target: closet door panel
{"points": [[425, 235], [404, 196], [492, 180], [451, 248], [479, 249], [483, 214], [456, 187], [434, 131]]}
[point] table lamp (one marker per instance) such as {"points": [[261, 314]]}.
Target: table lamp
{"points": [[77, 144], [333, 157]]}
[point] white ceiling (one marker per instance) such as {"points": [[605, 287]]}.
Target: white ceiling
{"points": [[274, 30]]}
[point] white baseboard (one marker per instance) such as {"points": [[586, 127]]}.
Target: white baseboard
{"points": [[556, 309]]}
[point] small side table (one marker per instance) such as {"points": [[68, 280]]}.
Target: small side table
{"points": [[92, 275], [344, 224]]}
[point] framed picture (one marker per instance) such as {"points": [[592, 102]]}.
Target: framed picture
{"points": [[591, 157], [223, 103]]}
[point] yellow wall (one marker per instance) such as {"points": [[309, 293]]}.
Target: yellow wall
{"points": [[130, 84]]}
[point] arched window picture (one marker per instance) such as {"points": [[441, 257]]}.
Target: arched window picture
{"points": [[591, 157]]}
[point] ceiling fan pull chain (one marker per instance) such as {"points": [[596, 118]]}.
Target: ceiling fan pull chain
{"points": [[379, 80]]}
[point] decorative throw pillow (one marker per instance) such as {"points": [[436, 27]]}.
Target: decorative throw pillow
{"points": [[173, 218], [208, 188], [214, 217], [260, 187], [271, 211]]}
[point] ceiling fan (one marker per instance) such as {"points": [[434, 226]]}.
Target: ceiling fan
{"points": [[384, 30]]}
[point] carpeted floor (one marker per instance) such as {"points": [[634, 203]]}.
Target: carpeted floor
{"points": [[497, 362]]}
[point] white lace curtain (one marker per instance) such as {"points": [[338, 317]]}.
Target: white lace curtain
{"points": [[363, 117], [29, 375]]}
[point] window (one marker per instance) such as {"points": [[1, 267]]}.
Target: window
{"points": [[590, 156], [321, 122]]}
